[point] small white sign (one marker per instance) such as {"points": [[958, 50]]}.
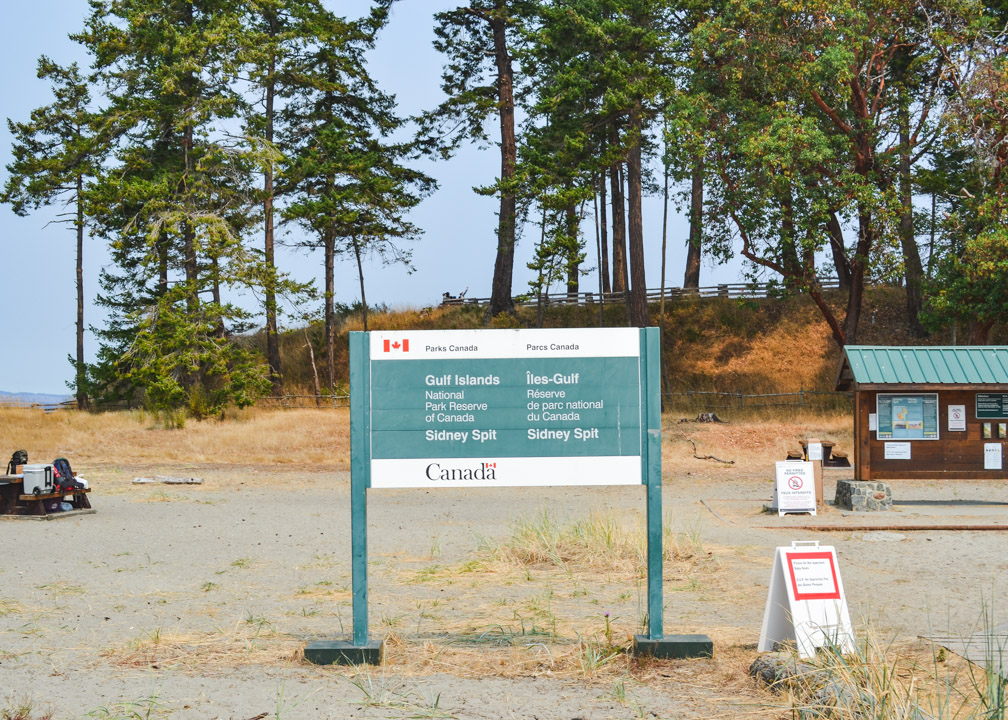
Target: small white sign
{"points": [[956, 417], [897, 451], [806, 604], [794, 487], [815, 451], [992, 456], [873, 421]]}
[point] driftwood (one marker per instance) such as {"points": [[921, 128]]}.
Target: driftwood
{"points": [[167, 480], [708, 457], [704, 417]]}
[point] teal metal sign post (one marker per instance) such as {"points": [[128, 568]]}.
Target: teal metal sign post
{"points": [[477, 408]]}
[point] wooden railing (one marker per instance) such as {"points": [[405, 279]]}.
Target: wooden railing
{"points": [[725, 290]]}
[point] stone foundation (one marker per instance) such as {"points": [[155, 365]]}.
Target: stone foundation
{"points": [[863, 496]]}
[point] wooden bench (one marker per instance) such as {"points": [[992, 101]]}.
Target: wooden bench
{"points": [[36, 504]]}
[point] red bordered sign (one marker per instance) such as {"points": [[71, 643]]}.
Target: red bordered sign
{"points": [[821, 574]]}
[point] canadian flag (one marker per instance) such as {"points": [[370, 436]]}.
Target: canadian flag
{"points": [[395, 346]]}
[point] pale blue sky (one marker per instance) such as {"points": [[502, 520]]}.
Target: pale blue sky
{"points": [[37, 293]]}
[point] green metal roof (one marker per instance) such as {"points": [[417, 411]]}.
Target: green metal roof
{"points": [[958, 365]]}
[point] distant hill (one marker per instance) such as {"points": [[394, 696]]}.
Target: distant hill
{"points": [[26, 398]]}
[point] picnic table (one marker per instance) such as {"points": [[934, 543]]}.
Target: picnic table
{"points": [[13, 500]]}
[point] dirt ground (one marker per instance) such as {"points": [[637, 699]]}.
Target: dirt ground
{"points": [[196, 601]]}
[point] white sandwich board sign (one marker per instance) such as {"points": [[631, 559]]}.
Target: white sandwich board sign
{"points": [[794, 487], [806, 604]]}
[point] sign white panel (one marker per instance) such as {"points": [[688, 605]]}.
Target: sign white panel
{"points": [[897, 451], [806, 604], [486, 344], [815, 451], [873, 421], [956, 417], [794, 487], [992, 456], [505, 472]]}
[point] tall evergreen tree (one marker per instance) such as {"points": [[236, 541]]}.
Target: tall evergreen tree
{"points": [[479, 80], [349, 185], [56, 156], [174, 203]]}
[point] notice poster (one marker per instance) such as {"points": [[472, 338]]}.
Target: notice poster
{"points": [[907, 417], [897, 451], [794, 487], [957, 417], [813, 575], [992, 456]]}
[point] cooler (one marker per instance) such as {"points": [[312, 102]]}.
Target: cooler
{"points": [[38, 479]]}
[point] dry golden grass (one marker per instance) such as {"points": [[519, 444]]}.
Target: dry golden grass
{"points": [[316, 438], [320, 439], [248, 643], [752, 441]]}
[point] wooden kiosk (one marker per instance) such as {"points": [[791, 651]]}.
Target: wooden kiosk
{"points": [[928, 412]]}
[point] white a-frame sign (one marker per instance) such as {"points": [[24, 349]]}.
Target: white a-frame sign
{"points": [[806, 604]]}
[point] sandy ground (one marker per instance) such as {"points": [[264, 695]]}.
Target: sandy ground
{"points": [[196, 601]]}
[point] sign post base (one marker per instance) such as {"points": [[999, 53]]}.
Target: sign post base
{"points": [[675, 647], [337, 652]]}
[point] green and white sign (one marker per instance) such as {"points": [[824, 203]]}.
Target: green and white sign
{"points": [[466, 408], [992, 406]]}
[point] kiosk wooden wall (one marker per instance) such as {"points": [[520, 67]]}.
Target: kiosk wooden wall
{"points": [[956, 375], [957, 455]]}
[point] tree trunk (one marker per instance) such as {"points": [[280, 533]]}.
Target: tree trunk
{"points": [[691, 278], [619, 268], [500, 293], [330, 255], [598, 253], [216, 294], [664, 249], [855, 294], [840, 261], [604, 236], [314, 367], [794, 270], [188, 234], [191, 269], [162, 251], [638, 288], [272, 341], [573, 266], [980, 331], [81, 381], [913, 270], [360, 274]]}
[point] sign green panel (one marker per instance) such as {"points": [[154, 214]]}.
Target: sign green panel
{"points": [[532, 407], [992, 406]]}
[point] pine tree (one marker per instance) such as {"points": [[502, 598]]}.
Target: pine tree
{"points": [[479, 80], [173, 203], [56, 156], [349, 185]]}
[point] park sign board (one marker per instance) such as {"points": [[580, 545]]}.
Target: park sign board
{"points": [[471, 408]]}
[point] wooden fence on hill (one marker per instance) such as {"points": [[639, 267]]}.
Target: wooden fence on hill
{"points": [[725, 290]]}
